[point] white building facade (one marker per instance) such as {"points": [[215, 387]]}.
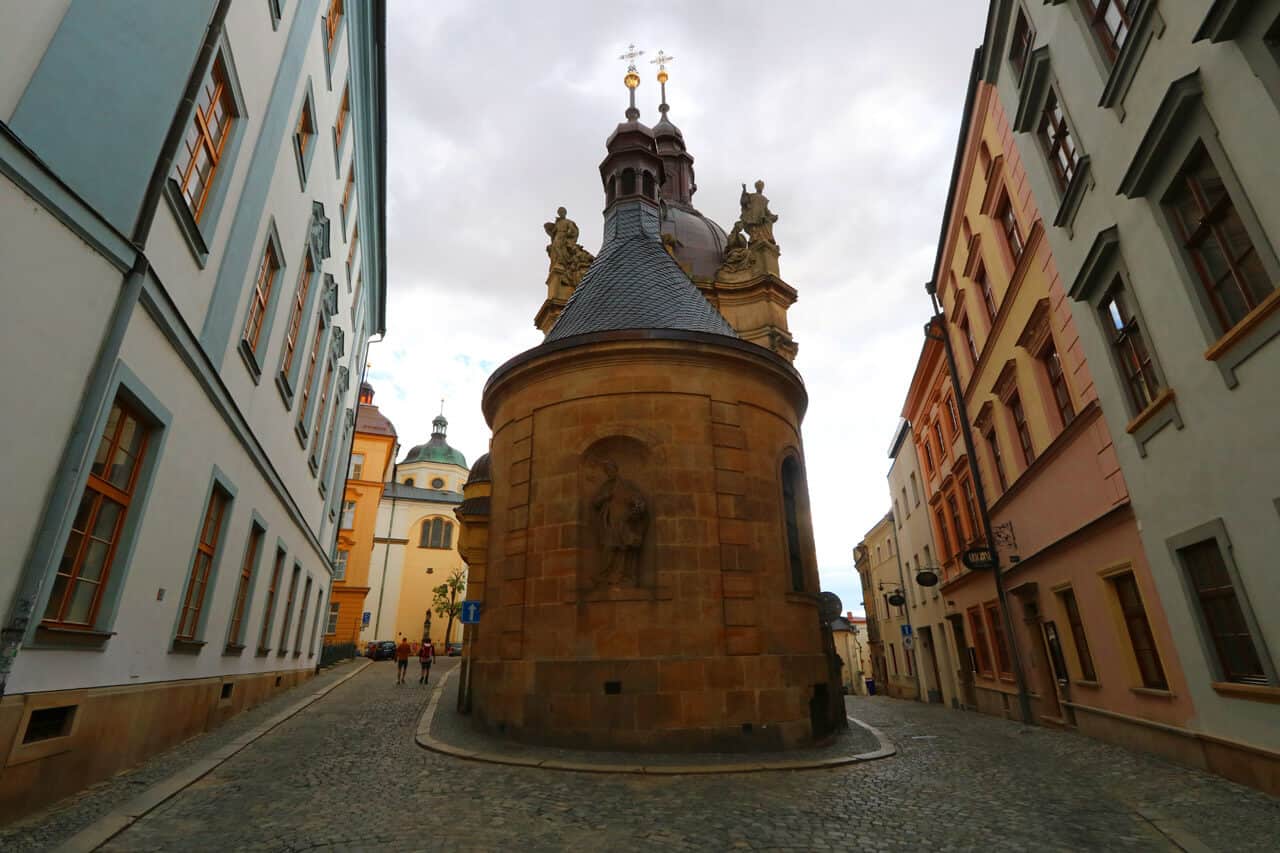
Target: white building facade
{"points": [[191, 226], [1149, 133]]}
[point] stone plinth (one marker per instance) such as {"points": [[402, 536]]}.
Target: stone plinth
{"points": [[691, 624]]}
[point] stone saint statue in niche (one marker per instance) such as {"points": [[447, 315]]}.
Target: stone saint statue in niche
{"points": [[621, 517], [567, 256], [756, 216]]}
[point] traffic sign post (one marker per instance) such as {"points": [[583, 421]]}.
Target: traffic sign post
{"points": [[470, 613]]}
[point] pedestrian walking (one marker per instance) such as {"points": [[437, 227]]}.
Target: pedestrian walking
{"points": [[402, 659], [426, 657]]}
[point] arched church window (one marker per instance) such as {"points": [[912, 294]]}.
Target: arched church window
{"points": [[790, 490], [436, 533], [647, 184], [628, 182]]}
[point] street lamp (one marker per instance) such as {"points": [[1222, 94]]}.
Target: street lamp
{"points": [[939, 321]]}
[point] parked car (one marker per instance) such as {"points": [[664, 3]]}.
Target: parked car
{"points": [[382, 650], [452, 649]]}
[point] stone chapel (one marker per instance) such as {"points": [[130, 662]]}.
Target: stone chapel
{"points": [[639, 534]]}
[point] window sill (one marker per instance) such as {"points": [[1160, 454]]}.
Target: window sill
{"points": [[1153, 692], [1252, 692], [186, 222], [286, 392], [250, 361], [81, 638], [1155, 417], [800, 597], [261, 652], [233, 650], [187, 647], [297, 654], [1246, 337], [1073, 195], [1147, 26], [1092, 685]]}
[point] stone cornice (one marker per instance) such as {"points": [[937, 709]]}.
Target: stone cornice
{"points": [[1035, 87], [1183, 97], [1097, 262]]}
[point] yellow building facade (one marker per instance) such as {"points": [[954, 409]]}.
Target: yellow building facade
{"points": [[415, 544], [373, 450], [885, 602]]}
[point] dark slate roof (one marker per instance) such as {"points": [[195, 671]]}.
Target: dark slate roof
{"points": [[372, 421], [480, 470], [401, 492], [635, 284]]}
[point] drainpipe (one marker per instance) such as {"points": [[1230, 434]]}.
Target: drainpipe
{"points": [[906, 610], [940, 319], [82, 439]]}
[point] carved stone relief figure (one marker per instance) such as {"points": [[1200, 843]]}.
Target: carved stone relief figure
{"points": [[568, 258], [621, 519], [735, 250]]}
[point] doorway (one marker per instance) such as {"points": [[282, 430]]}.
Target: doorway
{"points": [[964, 668], [933, 690]]}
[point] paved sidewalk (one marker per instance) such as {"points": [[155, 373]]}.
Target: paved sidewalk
{"points": [[445, 730], [55, 825]]}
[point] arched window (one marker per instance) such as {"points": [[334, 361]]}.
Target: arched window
{"points": [[790, 489], [647, 184], [436, 533], [408, 481], [628, 182]]}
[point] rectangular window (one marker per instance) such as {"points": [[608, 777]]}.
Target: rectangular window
{"points": [[893, 654], [906, 658], [980, 642], [315, 624], [351, 251], [304, 131], [905, 506], [299, 307], [915, 490], [277, 569], [994, 445], [955, 520], [1009, 227], [928, 456], [1078, 637], [1020, 44], [1224, 621], [268, 269], [999, 640], [981, 279], [348, 192], [331, 624], [357, 466], [953, 416], [942, 444], [1058, 383], [288, 608], [96, 528], [1140, 636], [340, 565], [331, 21], [202, 564], [348, 515], [928, 559], [1024, 433], [200, 154], [1111, 22], [1057, 142], [313, 357], [944, 536], [321, 408], [971, 505], [302, 617], [968, 339], [344, 113], [256, 535], [1221, 251], [1129, 346]]}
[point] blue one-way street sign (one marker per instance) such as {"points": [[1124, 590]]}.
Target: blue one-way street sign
{"points": [[470, 612]]}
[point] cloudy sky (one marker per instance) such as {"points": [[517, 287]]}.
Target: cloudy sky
{"points": [[498, 113]]}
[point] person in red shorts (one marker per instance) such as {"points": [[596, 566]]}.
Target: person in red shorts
{"points": [[402, 659]]}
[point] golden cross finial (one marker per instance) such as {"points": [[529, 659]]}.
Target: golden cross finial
{"points": [[630, 56]]}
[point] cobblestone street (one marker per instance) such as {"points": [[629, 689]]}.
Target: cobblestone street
{"points": [[346, 774]]}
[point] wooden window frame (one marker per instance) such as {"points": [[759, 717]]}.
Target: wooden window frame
{"points": [[1021, 428], [348, 511], [983, 280], [332, 23], [944, 535], [1095, 12], [322, 404], [313, 358], [1210, 229], [1022, 38], [1128, 344], [191, 612], [99, 485], [340, 563], [953, 507], [993, 445], [1213, 605], [1133, 614], [253, 550], [297, 312], [216, 108], [1007, 220], [967, 331], [348, 191], [332, 618], [1059, 390], [1079, 639], [356, 468], [268, 613], [1057, 142], [302, 616], [344, 116], [260, 300], [294, 577], [1000, 643], [978, 629]]}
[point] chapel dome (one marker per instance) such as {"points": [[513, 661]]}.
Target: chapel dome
{"points": [[437, 449], [700, 241]]}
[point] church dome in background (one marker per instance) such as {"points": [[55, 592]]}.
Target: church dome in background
{"points": [[437, 449], [699, 240]]}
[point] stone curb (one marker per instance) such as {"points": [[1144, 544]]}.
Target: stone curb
{"points": [[426, 740], [122, 817]]}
